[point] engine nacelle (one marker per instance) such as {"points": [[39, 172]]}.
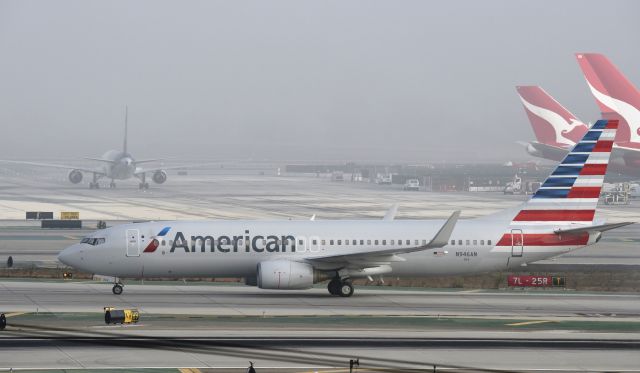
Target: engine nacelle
{"points": [[285, 274], [75, 176], [159, 177]]}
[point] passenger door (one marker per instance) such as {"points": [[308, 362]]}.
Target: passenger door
{"points": [[133, 242]]}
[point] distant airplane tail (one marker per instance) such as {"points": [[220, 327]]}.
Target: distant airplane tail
{"points": [[570, 194], [126, 124], [552, 123], [616, 96]]}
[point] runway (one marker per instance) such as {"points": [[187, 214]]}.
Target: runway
{"points": [[206, 326], [231, 300]]}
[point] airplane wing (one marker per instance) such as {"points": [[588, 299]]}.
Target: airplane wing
{"points": [[391, 213], [100, 160], [51, 165], [148, 160], [142, 170], [380, 257]]}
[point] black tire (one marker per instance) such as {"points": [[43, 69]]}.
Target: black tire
{"points": [[333, 286], [346, 289], [117, 289]]}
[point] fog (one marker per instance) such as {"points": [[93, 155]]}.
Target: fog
{"points": [[296, 80]]}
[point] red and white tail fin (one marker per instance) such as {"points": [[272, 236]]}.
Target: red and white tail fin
{"points": [[552, 123], [570, 194], [616, 96]]}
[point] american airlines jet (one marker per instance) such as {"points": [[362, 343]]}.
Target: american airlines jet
{"points": [[556, 128], [296, 254]]}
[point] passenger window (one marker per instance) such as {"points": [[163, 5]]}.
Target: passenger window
{"points": [[392, 242], [368, 242], [417, 242], [424, 242], [376, 242], [459, 242], [453, 242], [330, 242], [475, 242], [339, 242], [408, 242], [163, 242], [482, 242], [489, 242], [315, 242], [468, 242], [300, 242], [324, 242], [346, 242], [354, 242], [384, 242]]}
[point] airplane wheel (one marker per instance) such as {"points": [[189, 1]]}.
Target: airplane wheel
{"points": [[112, 185], [117, 289], [333, 286], [345, 289]]}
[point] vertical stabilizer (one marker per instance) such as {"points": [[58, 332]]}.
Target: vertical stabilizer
{"points": [[616, 96], [126, 124], [552, 123], [570, 194]]}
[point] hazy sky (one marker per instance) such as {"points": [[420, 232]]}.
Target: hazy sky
{"points": [[341, 80]]}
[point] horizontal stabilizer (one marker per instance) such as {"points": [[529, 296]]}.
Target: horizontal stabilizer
{"points": [[100, 160], [593, 228]]}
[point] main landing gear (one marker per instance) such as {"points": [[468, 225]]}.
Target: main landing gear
{"points": [[143, 182], [340, 287], [94, 184], [112, 185], [117, 288]]}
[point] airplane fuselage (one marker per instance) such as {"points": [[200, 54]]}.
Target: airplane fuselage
{"points": [[120, 165], [235, 248]]}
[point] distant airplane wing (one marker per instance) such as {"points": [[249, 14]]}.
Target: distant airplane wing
{"points": [[100, 160], [142, 170], [148, 160], [50, 165], [380, 257]]}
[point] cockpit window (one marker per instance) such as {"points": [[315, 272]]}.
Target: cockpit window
{"points": [[93, 241]]}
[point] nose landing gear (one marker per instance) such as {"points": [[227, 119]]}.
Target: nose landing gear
{"points": [[340, 287], [117, 289]]}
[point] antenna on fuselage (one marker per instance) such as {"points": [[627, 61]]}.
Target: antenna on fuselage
{"points": [[126, 124]]}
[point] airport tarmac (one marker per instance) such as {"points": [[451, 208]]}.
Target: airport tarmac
{"points": [[206, 326]]}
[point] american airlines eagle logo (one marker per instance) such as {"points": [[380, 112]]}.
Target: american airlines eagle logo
{"points": [[154, 243], [565, 130]]}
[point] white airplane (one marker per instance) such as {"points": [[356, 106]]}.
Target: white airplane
{"points": [[115, 165], [296, 254]]}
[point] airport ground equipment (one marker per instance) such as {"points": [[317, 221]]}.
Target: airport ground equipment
{"points": [[3, 321], [125, 316]]}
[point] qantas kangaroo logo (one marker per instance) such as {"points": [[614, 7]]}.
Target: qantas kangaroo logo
{"points": [[630, 114], [567, 132]]}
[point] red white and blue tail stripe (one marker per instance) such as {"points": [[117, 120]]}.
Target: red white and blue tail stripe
{"points": [[570, 194]]}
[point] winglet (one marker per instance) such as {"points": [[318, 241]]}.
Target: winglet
{"points": [[442, 237], [391, 213], [313, 217]]}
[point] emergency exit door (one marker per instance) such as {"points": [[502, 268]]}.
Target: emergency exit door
{"points": [[133, 242], [517, 242]]}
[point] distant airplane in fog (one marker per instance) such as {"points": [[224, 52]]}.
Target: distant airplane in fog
{"points": [[115, 165], [557, 129]]}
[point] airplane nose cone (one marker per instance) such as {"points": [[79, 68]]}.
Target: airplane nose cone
{"points": [[70, 256]]}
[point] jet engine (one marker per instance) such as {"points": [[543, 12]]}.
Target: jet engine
{"points": [[285, 274], [75, 176], [159, 177]]}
